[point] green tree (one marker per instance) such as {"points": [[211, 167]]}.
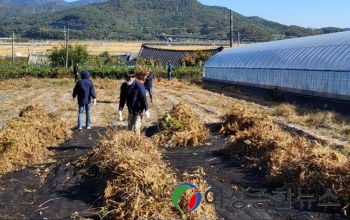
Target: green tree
{"points": [[111, 60], [76, 54]]}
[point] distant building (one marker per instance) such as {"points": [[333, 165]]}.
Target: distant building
{"points": [[38, 59], [166, 55]]}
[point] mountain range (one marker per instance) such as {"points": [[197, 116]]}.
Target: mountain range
{"points": [[37, 3], [137, 20]]}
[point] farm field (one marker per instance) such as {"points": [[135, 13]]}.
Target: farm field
{"points": [[94, 47], [210, 103]]}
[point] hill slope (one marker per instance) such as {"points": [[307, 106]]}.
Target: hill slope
{"points": [[144, 19]]}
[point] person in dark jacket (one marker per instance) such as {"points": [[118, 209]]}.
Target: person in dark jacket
{"points": [[170, 71], [133, 93], [148, 84], [85, 90], [76, 71]]}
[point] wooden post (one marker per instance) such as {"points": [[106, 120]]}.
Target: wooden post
{"points": [[13, 47], [67, 48], [65, 43], [231, 28]]}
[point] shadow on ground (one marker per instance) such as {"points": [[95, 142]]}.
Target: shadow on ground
{"points": [[260, 96]]}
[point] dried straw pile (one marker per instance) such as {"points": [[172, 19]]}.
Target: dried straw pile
{"points": [[285, 162], [240, 118], [23, 140], [253, 136], [140, 72], [181, 127], [139, 184], [312, 166], [257, 140]]}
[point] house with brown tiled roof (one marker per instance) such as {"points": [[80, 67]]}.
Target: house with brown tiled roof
{"points": [[165, 55]]}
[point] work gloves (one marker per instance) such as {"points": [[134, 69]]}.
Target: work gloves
{"points": [[120, 116], [95, 101]]}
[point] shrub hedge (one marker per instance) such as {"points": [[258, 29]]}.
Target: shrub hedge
{"points": [[9, 70]]}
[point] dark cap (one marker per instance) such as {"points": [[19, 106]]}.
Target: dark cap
{"points": [[130, 74], [85, 74]]}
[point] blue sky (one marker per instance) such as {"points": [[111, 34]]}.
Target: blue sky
{"points": [[304, 13]]}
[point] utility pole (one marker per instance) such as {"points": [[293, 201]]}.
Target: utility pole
{"points": [[66, 36], [67, 48], [13, 46], [238, 38], [231, 28]]}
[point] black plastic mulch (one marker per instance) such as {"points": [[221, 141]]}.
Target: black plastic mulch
{"points": [[223, 175], [65, 194]]}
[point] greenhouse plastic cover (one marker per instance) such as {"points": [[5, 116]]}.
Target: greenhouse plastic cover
{"points": [[322, 52]]}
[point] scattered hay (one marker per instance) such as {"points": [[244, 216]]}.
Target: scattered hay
{"points": [[181, 127], [139, 184], [23, 140], [321, 119], [108, 84]]}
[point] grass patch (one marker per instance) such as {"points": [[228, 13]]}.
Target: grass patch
{"points": [[330, 121], [62, 83], [284, 110], [345, 151], [27, 85]]}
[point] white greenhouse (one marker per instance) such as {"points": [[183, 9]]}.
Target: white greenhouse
{"points": [[316, 65]]}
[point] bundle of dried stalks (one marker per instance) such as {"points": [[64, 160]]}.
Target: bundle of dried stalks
{"points": [[312, 167], [286, 161], [262, 143], [326, 168], [253, 135], [139, 184], [140, 72], [23, 140], [240, 118], [181, 127]]}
